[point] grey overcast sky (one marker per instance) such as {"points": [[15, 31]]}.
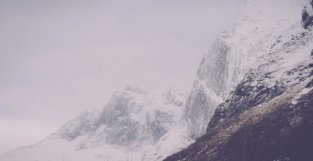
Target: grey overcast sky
{"points": [[61, 57]]}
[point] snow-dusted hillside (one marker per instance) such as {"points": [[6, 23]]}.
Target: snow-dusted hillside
{"points": [[130, 127], [268, 115], [266, 53], [234, 53]]}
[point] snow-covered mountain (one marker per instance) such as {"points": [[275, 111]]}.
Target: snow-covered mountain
{"points": [[261, 66], [234, 53], [268, 114], [130, 127]]}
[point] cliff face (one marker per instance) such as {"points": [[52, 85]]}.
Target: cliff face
{"points": [[268, 114], [251, 101], [278, 130], [283, 134], [234, 54], [133, 126], [307, 16]]}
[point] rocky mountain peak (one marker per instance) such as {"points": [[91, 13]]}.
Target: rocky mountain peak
{"points": [[131, 116], [253, 87], [307, 15], [265, 117], [235, 53]]}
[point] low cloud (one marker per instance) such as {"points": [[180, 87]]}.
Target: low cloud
{"points": [[59, 58]]}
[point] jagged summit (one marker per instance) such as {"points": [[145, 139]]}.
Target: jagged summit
{"points": [[133, 121], [266, 116], [133, 89], [234, 53], [264, 61], [132, 114], [307, 15]]}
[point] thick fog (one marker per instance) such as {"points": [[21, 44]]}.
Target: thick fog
{"points": [[59, 58]]}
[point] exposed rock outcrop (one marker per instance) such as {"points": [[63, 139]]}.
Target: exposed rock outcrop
{"points": [[268, 115], [307, 15]]}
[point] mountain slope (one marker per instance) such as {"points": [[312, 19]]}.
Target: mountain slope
{"points": [[233, 54], [130, 127], [252, 90], [267, 116]]}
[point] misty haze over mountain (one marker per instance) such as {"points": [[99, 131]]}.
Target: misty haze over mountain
{"points": [[157, 81], [59, 58]]}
